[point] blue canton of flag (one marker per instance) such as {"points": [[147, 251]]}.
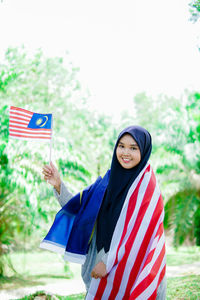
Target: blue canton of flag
{"points": [[42, 121]]}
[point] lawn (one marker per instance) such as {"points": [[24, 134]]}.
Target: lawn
{"points": [[43, 267]]}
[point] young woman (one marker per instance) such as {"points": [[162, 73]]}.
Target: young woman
{"points": [[114, 228]]}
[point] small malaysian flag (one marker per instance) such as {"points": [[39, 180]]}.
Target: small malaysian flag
{"points": [[27, 125]]}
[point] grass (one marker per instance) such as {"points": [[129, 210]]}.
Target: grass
{"points": [[177, 288], [37, 268], [183, 288], [182, 255], [54, 297], [43, 267]]}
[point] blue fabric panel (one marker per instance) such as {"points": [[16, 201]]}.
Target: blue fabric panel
{"points": [[86, 217], [61, 228], [73, 205], [73, 224]]}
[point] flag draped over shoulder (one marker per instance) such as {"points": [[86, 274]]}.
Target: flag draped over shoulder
{"points": [[26, 125], [136, 260]]}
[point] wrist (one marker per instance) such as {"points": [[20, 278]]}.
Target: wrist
{"points": [[57, 186]]}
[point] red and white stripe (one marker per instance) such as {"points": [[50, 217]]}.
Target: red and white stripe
{"points": [[136, 260], [18, 126]]}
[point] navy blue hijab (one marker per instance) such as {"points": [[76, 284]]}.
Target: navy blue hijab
{"points": [[119, 183]]}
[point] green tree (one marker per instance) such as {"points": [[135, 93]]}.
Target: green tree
{"points": [[175, 128], [195, 10], [42, 84]]}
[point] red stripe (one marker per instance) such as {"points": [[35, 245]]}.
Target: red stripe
{"points": [[17, 118], [14, 114], [121, 266], [149, 279], [101, 288], [31, 131], [150, 255], [162, 274], [20, 109], [37, 129], [30, 136], [131, 208], [143, 248]]}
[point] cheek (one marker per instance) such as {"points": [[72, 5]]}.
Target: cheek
{"points": [[118, 153], [138, 157]]}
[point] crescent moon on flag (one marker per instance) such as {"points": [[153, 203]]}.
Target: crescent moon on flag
{"points": [[41, 122]]}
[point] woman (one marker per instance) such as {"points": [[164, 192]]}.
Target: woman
{"points": [[115, 227]]}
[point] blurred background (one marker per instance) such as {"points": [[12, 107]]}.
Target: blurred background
{"points": [[98, 66]]}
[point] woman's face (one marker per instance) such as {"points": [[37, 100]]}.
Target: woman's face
{"points": [[128, 152]]}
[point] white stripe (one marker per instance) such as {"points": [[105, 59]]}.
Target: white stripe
{"points": [[17, 115], [73, 257], [145, 272], [151, 243], [31, 131], [154, 244], [109, 285], [151, 288], [93, 289], [51, 246], [16, 112], [139, 239], [120, 224]]}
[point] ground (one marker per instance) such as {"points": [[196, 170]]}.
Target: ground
{"points": [[183, 277]]}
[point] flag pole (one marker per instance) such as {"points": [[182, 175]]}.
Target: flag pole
{"points": [[51, 140]]}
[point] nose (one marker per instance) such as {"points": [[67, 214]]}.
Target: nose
{"points": [[126, 151]]}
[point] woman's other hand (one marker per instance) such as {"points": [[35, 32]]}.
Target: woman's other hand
{"points": [[99, 270], [52, 176]]}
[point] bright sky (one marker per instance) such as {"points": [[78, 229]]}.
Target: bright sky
{"points": [[121, 46]]}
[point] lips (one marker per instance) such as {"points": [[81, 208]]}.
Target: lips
{"points": [[126, 160]]}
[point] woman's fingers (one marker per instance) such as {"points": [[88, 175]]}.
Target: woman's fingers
{"points": [[47, 170], [94, 275], [51, 175]]}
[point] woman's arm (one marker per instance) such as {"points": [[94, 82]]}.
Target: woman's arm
{"points": [[52, 176]]}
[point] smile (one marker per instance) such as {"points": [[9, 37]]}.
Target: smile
{"points": [[126, 160]]}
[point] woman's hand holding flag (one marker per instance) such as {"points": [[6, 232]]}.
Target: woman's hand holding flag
{"points": [[52, 176]]}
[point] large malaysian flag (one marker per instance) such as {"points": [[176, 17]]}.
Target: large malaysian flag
{"points": [[136, 261], [27, 125]]}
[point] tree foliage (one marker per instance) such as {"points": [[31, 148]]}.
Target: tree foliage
{"points": [[44, 85], [195, 10], [83, 142], [175, 128]]}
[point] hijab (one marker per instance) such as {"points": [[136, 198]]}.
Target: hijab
{"points": [[119, 183]]}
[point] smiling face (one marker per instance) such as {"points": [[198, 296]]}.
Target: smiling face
{"points": [[128, 152]]}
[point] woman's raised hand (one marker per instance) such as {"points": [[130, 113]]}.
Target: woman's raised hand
{"points": [[52, 176]]}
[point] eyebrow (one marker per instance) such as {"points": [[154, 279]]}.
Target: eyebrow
{"points": [[130, 145]]}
